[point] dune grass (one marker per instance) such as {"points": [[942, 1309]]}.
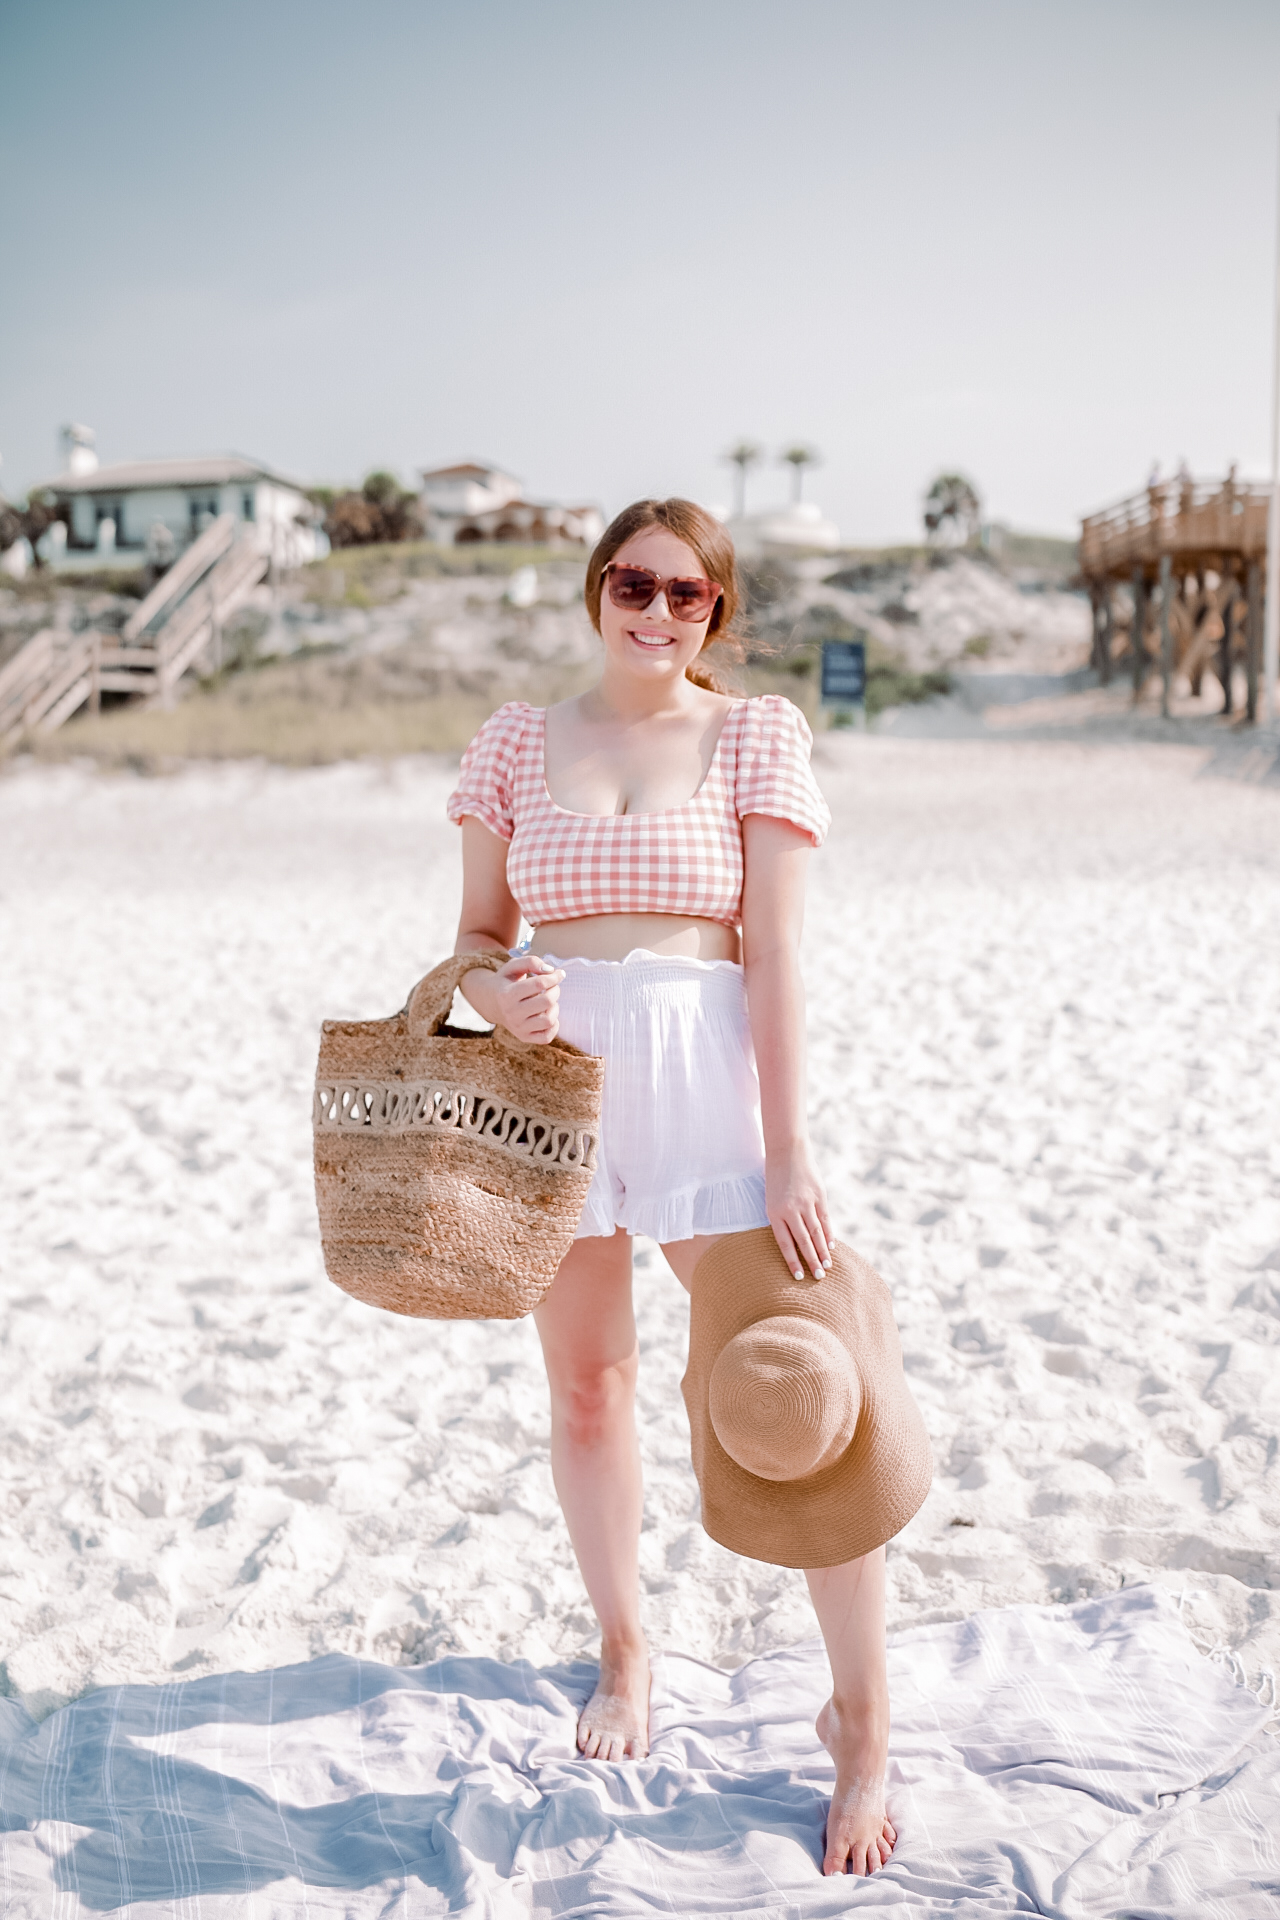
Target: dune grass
{"points": [[316, 711], [281, 728], [890, 683], [305, 712], [372, 576]]}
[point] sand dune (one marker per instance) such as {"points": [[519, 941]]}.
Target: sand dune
{"points": [[1044, 1031]]}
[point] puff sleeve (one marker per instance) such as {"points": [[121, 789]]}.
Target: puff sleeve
{"points": [[774, 775], [486, 782]]}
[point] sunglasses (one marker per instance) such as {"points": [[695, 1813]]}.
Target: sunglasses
{"points": [[634, 588]]}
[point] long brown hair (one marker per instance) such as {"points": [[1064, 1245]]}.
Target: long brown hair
{"points": [[714, 548]]}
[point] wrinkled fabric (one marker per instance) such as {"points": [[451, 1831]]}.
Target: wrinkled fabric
{"points": [[1079, 1762], [680, 1151]]}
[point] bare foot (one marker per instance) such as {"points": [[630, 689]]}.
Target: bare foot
{"points": [[860, 1834], [614, 1724]]}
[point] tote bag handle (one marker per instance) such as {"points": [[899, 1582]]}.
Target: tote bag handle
{"points": [[427, 1007]]}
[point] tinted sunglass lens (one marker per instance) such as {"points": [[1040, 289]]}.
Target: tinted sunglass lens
{"points": [[691, 599], [632, 588]]}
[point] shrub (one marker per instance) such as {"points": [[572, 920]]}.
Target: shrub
{"points": [[381, 512]]}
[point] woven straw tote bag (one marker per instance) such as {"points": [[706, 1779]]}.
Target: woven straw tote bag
{"points": [[451, 1167]]}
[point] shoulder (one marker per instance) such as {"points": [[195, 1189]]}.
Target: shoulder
{"points": [[507, 723], [498, 744], [772, 723]]}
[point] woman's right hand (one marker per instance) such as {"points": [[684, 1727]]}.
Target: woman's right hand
{"points": [[527, 996]]}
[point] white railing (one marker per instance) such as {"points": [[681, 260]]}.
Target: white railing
{"points": [[53, 676], [182, 575], [46, 683]]}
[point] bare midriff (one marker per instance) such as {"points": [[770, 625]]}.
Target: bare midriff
{"points": [[612, 936]]}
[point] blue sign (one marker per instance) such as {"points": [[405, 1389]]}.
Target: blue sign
{"points": [[844, 673]]}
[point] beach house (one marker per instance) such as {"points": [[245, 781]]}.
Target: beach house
{"points": [[151, 510], [474, 502]]}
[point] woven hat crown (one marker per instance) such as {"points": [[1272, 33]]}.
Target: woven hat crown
{"points": [[783, 1398]]}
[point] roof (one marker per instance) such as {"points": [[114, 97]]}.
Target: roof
{"points": [[207, 470], [465, 470]]}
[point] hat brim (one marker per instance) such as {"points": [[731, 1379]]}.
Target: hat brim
{"points": [[859, 1501]]}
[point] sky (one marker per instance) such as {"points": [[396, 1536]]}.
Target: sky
{"points": [[599, 243]]}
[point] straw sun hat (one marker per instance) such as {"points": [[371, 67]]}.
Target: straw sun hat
{"points": [[808, 1447]]}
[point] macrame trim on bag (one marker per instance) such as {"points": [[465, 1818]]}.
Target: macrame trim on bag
{"points": [[422, 1106]]}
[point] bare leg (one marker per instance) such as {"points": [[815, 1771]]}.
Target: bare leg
{"points": [[588, 1333], [854, 1724], [682, 1256]]}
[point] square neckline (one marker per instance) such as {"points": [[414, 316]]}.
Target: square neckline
{"points": [[652, 813]]}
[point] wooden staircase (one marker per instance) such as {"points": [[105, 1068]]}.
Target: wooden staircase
{"points": [[178, 624], [47, 682]]}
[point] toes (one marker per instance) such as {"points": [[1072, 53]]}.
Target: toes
{"points": [[837, 1858], [601, 1738], [863, 1858]]}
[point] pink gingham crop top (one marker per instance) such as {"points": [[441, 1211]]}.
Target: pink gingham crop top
{"points": [[685, 860]]}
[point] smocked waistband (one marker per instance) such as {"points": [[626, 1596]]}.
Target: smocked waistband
{"points": [[644, 957], [643, 975]]}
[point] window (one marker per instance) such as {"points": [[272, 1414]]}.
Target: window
{"points": [[246, 503], [203, 511]]}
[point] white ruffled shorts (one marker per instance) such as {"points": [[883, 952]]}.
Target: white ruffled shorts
{"points": [[681, 1151]]}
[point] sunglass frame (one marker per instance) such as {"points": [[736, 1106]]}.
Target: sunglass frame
{"points": [[661, 586]]}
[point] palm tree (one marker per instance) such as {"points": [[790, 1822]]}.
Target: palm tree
{"points": [[798, 458], [952, 503], [745, 454]]}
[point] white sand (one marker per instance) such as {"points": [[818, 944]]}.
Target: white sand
{"points": [[1045, 1095]]}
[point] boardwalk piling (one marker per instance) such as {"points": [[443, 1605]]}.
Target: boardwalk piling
{"points": [[1227, 603], [1138, 632], [1253, 643], [1166, 632]]}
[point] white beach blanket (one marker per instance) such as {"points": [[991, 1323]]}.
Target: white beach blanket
{"points": [[1073, 1761]]}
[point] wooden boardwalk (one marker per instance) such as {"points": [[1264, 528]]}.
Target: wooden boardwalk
{"points": [[174, 629], [1175, 575]]}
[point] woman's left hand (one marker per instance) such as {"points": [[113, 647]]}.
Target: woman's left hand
{"points": [[797, 1208]]}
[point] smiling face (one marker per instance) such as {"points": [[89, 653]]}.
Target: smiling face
{"points": [[652, 644]]}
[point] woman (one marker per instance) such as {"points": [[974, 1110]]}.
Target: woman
{"points": [[655, 832]]}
